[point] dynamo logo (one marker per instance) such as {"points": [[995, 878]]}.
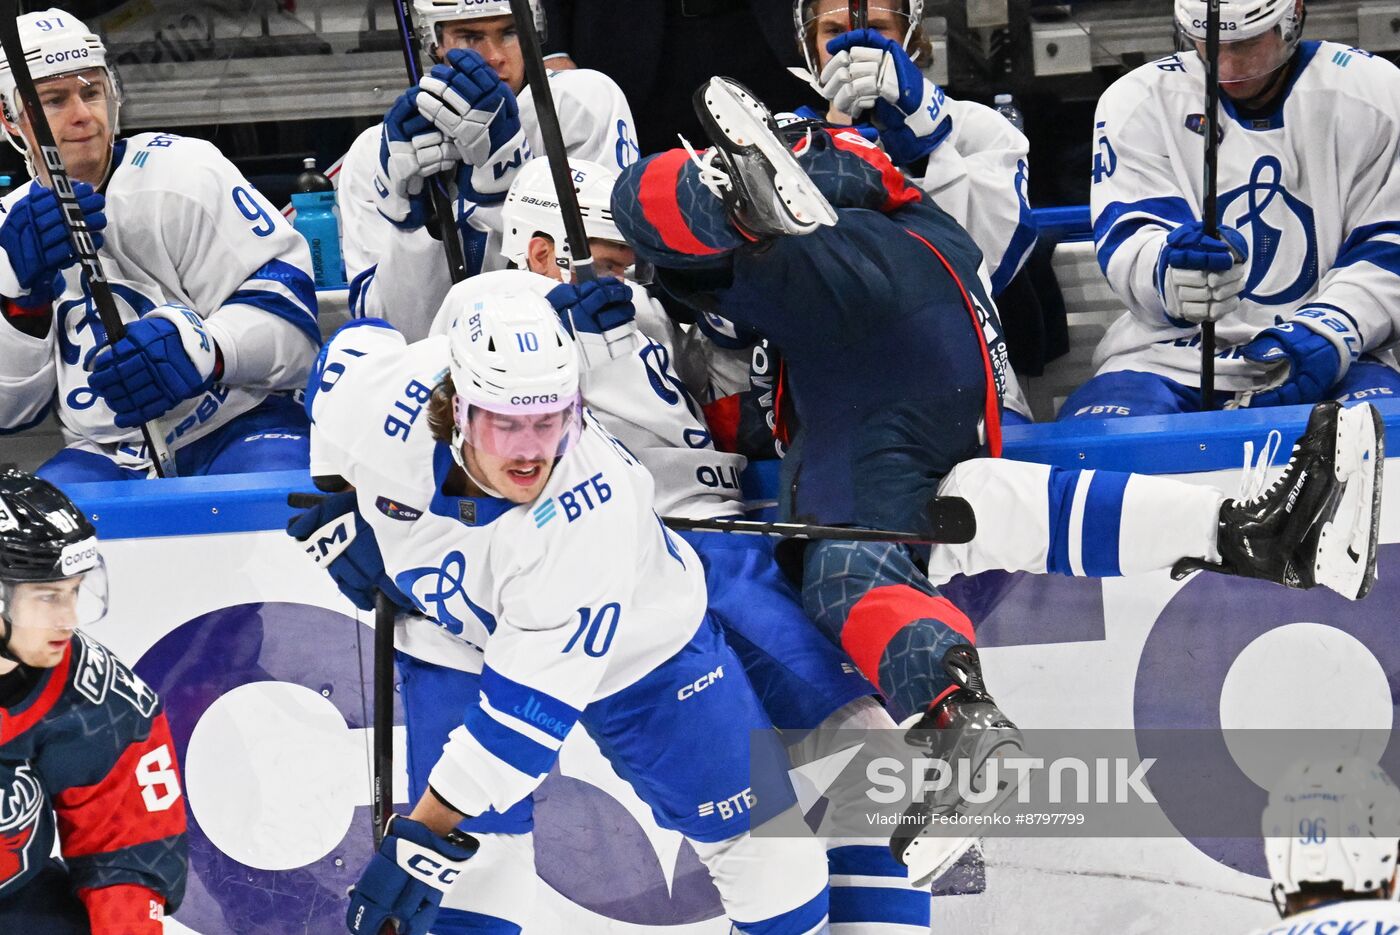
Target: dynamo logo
{"points": [[1280, 231]]}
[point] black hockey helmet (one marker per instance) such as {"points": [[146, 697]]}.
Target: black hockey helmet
{"points": [[44, 537]]}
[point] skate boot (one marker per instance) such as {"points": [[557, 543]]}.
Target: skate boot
{"points": [[1318, 523], [749, 167], [966, 726]]}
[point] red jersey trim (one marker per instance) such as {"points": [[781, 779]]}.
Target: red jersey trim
{"points": [[662, 209], [993, 405], [12, 725], [124, 909]]}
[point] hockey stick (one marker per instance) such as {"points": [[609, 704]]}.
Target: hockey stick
{"points": [[1208, 206], [382, 803], [78, 234], [948, 521], [443, 213], [581, 257], [860, 19]]}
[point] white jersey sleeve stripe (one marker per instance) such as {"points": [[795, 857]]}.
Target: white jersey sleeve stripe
{"points": [[280, 289], [510, 747], [510, 722]]}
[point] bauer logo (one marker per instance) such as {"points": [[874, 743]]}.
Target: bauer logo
{"points": [[396, 510]]}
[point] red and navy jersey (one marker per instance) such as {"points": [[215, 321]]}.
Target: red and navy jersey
{"points": [[87, 755]]}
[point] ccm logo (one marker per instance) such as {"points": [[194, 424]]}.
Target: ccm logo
{"points": [[430, 869], [700, 684]]}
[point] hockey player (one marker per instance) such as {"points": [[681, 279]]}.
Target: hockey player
{"points": [[471, 122], [883, 322], [1325, 879], [508, 515], [966, 156], [85, 752], [1304, 277], [212, 282]]}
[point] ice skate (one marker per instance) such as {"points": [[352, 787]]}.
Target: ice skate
{"points": [[1319, 522], [764, 189], [966, 726]]}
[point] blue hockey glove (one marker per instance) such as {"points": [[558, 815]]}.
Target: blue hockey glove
{"points": [[411, 149], [406, 879], [595, 307], [724, 333], [1304, 361], [478, 114], [1200, 278], [870, 71], [164, 359], [36, 242], [338, 539]]}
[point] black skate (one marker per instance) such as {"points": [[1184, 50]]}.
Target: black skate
{"points": [[1319, 522], [763, 188], [965, 726]]}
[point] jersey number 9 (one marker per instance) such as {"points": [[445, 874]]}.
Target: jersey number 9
{"points": [[248, 207]]}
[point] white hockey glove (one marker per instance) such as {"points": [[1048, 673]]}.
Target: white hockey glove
{"points": [[410, 150], [1200, 278], [478, 114], [869, 72]]}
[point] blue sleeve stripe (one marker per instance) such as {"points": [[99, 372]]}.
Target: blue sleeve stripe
{"points": [[358, 287], [1111, 230], [294, 279], [1060, 496], [883, 904], [1103, 515], [514, 749], [1364, 233], [865, 860], [1384, 254], [804, 918], [1022, 242], [540, 710], [281, 307]]}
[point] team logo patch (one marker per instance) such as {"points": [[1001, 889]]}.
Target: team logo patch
{"points": [[1196, 123], [466, 511], [396, 510], [20, 804]]}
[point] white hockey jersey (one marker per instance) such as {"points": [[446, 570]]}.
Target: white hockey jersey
{"points": [[183, 226], [401, 276], [1352, 917], [571, 597], [629, 383], [1311, 188]]}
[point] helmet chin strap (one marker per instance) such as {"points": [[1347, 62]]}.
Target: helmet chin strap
{"points": [[462, 463]]}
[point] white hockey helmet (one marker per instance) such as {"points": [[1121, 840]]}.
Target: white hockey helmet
{"points": [[512, 358], [804, 18], [532, 206], [1332, 821], [429, 15], [55, 43], [1241, 21]]}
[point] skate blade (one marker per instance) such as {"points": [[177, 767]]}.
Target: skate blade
{"points": [[929, 856], [1347, 548], [745, 124]]}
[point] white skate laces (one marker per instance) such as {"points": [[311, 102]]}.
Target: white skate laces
{"points": [[712, 176], [1256, 472]]}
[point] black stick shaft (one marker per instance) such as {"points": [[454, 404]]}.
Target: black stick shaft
{"points": [[78, 234], [803, 531], [382, 805], [1209, 220], [444, 216], [558, 156], [860, 14]]}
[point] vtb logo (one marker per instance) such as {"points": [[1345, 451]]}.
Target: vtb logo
{"points": [[20, 804]]}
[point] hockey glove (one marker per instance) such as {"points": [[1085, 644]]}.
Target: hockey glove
{"points": [[478, 114], [338, 539], [36, 242], [410, 150], [164, 359], [1200, 278], [1304, 357], [406, 879], [868, 70], [595, 307]]}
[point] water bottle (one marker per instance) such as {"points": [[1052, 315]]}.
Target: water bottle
{"points": [[317, 221], [1006, 106]]}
